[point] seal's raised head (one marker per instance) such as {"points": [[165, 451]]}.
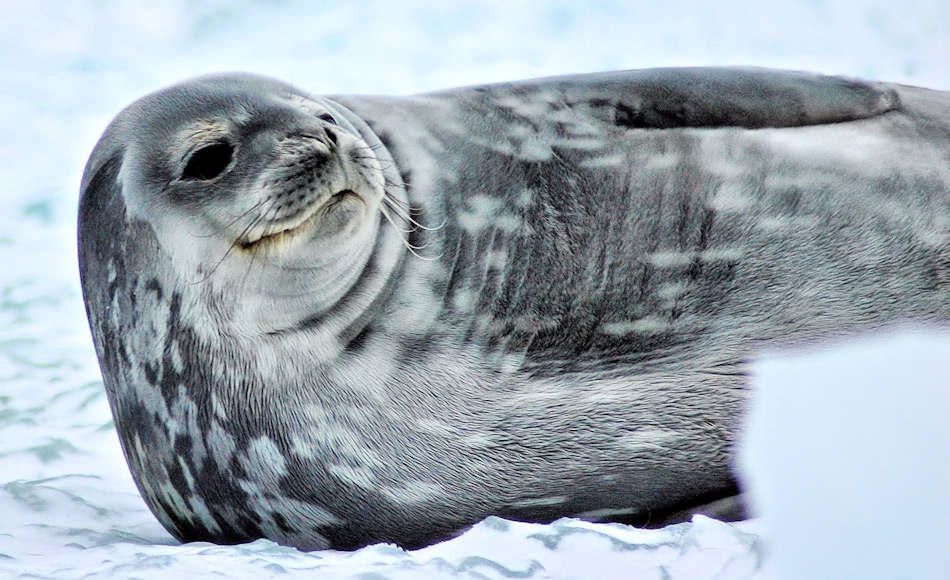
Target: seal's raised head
{"points": [[244, 178]]}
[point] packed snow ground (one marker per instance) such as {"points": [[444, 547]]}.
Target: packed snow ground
{"points": [[68, 507]]}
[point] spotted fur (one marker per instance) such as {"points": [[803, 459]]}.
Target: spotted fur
{"points": [[388, 318]]}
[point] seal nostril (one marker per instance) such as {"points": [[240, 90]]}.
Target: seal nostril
{"points": [[325, 135]]}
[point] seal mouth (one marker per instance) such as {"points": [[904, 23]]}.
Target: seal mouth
{"points": [[309, 219]]}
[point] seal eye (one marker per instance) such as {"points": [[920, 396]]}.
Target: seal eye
{"points": [[327, 117], [208, 162]]}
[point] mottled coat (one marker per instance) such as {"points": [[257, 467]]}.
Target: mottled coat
{"points": [[530, 299]]}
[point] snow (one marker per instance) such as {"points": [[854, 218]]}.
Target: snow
{"points": [[68, 507], [858, 437]]}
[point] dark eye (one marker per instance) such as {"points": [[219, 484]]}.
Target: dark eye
{"points": [[328, 118], [208, 162]]}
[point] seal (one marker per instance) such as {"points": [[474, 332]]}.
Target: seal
{"points": [[333, 321]]}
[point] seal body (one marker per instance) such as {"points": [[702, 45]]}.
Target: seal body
{"points": [[338, 321]]}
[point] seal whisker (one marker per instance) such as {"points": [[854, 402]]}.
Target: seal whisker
{"points": [[404, 213], [214, 268], [251, 224], [412, 249], [400, 211], [410, 230], [261, 217], [231, 223], [385, 213]]}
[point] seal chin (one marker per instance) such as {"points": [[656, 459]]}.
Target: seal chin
{"points": [[340, 214]]}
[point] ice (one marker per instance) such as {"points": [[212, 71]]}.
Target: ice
{"points": [[847, 458], [68, 506]]}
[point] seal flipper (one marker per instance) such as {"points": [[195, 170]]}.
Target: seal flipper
{"points": [[752, 98]]}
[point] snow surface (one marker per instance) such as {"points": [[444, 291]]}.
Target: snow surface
{"points": [[68, 507], [846, 454]]}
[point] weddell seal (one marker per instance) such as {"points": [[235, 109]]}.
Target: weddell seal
{"points": [[345, 320]]}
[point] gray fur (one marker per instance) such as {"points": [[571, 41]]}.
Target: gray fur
{"points": [[567, 333]]}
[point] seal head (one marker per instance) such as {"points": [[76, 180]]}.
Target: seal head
{"points": [[240, 182]]}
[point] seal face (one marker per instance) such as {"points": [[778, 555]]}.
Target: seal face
{"points": [[337, 321]]}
